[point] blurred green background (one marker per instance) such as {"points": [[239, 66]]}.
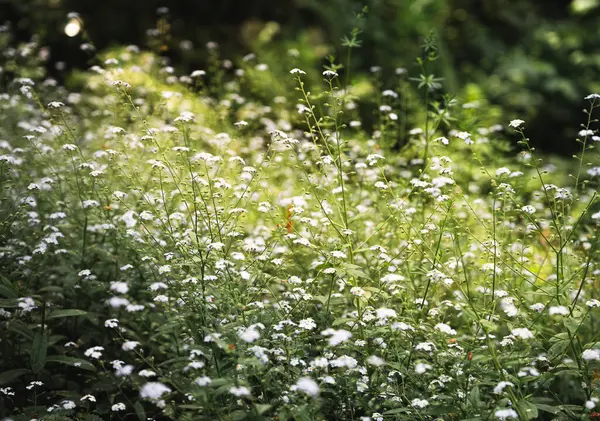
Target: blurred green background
{"points": [[534, 60]]}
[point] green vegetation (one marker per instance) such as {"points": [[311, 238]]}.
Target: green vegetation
{"points": [[274, 237]]}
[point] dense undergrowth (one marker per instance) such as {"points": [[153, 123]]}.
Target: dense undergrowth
{"points": [[235, 244]]}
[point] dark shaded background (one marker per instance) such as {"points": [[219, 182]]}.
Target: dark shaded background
{"points": [[534, 59]]}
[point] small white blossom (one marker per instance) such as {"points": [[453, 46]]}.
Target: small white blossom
{"points": [[154, 390], [307, 385]]}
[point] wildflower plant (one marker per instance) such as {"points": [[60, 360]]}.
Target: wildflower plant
{"points": [[172, 250]]}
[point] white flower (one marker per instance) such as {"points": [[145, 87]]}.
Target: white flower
{"points": [[120, 84], [164, 269], [27, 304], [330, 74], [592, 303], [154, 390], [504, 414], [34, 384], [308, 324], [516, 123], [112, 323], [319, 362], [147, 373], [94, 352], [528, 209], [421, 368], [403, 326], [538, 307], [55, 104], [90, 204], [444, 328], [358, 291], [120, 287], [68, 404], [560, 310], [249, 335], [385, 313], [118, 407], [336, 336], [500, 386], [592, 96], [338, 254], [307, 385], [161, 299], [591, 355], [375, 361], [591, 404], [522, 332], [129, 345], [344, 361], [203, 381], [419, 403], [90, 398], [425, 346], [185, 117], [466, 136], [297, 72], [239, 391]]}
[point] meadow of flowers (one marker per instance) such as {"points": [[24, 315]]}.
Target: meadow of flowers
{"points": [[182, 247]]}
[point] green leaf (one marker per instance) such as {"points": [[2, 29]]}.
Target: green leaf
{"points": [[547, 408], [192, 406], [39, 348], [557, 349], [10, 375], [222, 390], [66, 313], [396, 411], [354, 270], [20, 328], [563, 336], [9, 302], [571, 324], [261, 408], [71, 361], [51, 288], [8, 292], [489, 326], [320, 298], [474, 396], [238, 415], [139, 411], [340, 321], [529, 409]]}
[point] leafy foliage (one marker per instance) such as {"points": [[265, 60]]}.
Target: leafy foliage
{"points": [[240, 243]]}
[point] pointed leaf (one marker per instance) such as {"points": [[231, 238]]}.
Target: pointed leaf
{"points": [[139, 411], [71, 361], [38, 351], [10, 375], [66, 313]]}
